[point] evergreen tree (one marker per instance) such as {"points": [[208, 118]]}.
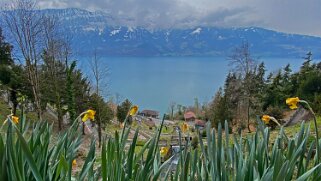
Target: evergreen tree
{"points": [[11, 75], [82, 89], [306, 66], [309, 87], [103, 112], [5, 51], [6, 61], [53, 86], [218, 111], [71, 91], [122, 110], [258, 89], [233, 93], [305, 84], [288, 84], [274, 94]]}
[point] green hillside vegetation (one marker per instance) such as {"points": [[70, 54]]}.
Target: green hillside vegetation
{"points": [[4, 110], [248, 92]]}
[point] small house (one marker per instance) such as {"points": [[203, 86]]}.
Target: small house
{"points": [[189, 116], [199, 124], [150, 113]]}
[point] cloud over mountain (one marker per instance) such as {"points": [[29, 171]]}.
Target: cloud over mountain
{"points": [[293, 16]]}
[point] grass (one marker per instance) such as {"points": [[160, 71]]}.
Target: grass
{"points": [[4, 110], [31, 116], [290, 131], [293, 130], [112, 128], [168, 130]]}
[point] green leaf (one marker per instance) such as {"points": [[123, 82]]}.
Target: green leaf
{"points": [[88, 164], [307, 174], [103, 161], [29, 156]]}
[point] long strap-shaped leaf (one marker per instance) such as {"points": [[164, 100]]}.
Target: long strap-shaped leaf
{"points": [[29, 156], [306, 175]]}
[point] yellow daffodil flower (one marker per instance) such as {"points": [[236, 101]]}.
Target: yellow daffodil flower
{"points": [[292, 102], [89, 114], [266, 119], [133, 110], [74, 163], [184, 127], [15, 119], [164, 151]]}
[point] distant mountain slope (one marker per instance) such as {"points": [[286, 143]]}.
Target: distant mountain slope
{"points": [[98, 30]]}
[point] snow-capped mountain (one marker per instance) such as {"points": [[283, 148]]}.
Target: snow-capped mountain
{"points": [[101, 31]]}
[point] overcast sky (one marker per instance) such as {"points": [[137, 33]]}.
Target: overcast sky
{"points": [[293, 16]]}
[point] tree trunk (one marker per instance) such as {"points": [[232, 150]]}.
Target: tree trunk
{"points": [[99, 133], [248, 115], [35, 91], [83, 128], [14, 108], [59, 119], [58, 104], [99, 112], [13, 99]]}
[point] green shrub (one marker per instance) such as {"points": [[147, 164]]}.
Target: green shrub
{"points": [[194, 142], [204, 133], [275, 112]]}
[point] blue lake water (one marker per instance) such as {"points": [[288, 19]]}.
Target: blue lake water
{"points": [[155, 82]]}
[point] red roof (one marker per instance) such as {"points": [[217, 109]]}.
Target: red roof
{"points": [[189, 115], [150, 112], [200, 123]]}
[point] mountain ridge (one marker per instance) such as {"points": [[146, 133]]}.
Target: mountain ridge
{"points": [[101, 31]]}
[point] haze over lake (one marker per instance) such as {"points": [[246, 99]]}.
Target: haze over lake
{"points": [[155, 82]]}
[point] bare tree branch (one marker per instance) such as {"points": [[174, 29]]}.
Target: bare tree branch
{"points": [[26, 27]]}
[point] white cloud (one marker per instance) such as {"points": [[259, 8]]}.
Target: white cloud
{"points": [[294, 16]]}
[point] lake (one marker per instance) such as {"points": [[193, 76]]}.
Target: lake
{"points": [[155, 82]]}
